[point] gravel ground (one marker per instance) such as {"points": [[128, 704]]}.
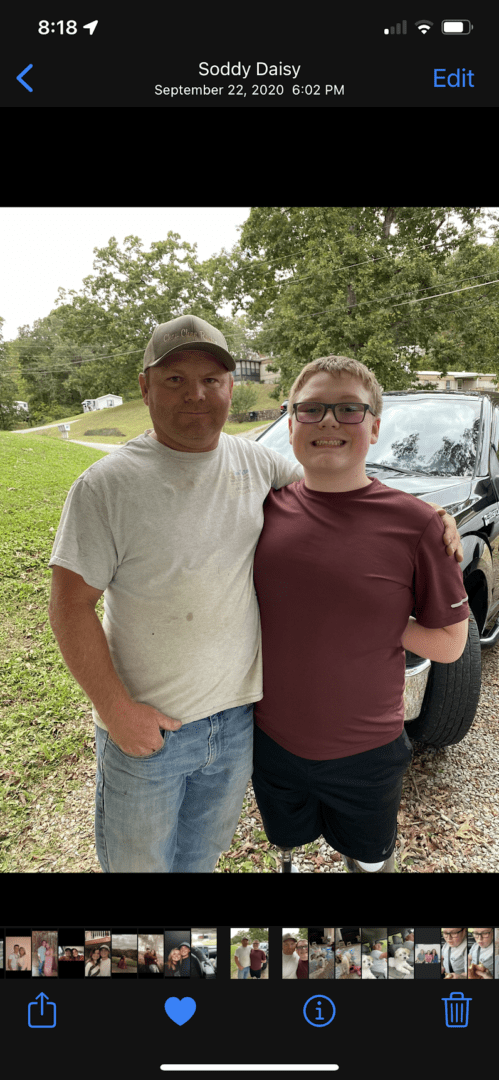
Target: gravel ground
{"points": [[448, 820]]}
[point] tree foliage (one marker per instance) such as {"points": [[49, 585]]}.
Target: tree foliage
{"points": [[399, 288], [357, 281], [93, 342]]}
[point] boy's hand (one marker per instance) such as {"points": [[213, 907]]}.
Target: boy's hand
{"points": [[451, 537]]}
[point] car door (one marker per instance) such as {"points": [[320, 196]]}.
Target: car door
{"points": [[491, 518]]}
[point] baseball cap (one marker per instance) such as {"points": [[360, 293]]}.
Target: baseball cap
{"points": [[187, 332]]}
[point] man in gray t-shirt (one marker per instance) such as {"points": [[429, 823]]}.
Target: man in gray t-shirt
{"points": [[166, 527]]}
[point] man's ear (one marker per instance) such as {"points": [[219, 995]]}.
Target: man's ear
{"points": [[143, 386]]}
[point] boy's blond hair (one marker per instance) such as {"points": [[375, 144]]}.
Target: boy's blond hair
{"points": [[335, 365]]}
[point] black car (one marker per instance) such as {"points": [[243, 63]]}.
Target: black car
{"points": [[443, 447]]}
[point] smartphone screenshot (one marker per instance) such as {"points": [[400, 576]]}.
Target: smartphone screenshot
{"points": [[327, 56], [148, 999]]}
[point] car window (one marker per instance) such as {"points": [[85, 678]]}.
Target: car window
{"points": [[495, 431], [277, 438], [434, 435], [431, 434]]}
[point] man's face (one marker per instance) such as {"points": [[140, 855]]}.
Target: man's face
{"points": [[288, 947], [333, 453], [188, 398]]}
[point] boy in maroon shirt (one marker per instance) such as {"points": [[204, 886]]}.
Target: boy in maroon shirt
{"points": [[341, 563]]}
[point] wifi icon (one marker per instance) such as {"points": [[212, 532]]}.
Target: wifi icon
{"points": [[423, 25]]}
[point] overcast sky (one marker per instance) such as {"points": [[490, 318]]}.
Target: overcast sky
{"points": [[46, 247]]}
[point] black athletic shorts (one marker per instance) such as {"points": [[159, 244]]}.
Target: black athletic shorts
{"points": [[352, 802]]}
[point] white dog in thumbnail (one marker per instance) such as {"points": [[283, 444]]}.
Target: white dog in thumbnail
{"points": [[400, 961], [366, 968]]}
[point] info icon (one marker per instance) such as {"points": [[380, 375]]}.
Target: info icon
{"points": [[319, 1011]]}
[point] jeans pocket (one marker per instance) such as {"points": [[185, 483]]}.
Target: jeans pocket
{"points": [[142, 757]]}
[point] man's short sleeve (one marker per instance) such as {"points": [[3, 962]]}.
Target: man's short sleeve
{"points": [[84, 541], [440, 595], [285, 471]]}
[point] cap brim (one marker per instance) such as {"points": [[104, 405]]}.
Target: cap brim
{"points": [[215, 350]]}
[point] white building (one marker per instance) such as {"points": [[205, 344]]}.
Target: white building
{"points": [[254, 369], [458, 380], [105, 402]]}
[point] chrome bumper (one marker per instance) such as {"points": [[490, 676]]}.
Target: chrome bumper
{"points": [[416, 679]]}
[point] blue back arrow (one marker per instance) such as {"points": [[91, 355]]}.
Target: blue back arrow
{"points": [[21, 80]]}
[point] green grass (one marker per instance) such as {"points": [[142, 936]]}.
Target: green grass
{"points": [[133, 418], [44, 714]]}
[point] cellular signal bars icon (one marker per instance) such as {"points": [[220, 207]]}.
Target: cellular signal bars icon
{"points": [[396, 29]]}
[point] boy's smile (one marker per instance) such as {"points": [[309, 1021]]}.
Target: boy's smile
{"points": [[333, 454]]}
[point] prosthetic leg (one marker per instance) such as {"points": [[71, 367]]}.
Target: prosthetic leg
{"points": [[287, 866]]}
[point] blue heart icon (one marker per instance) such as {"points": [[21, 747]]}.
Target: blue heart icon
{"points": [[180, 1010]]}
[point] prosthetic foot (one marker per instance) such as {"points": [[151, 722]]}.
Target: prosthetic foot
{"points": [[355, 867]]}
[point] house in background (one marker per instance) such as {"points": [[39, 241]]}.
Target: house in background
{"points": [[105, 402], [458, 380], [253, 368]]}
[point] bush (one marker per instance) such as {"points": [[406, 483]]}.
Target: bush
{"points": [[244, 397]]}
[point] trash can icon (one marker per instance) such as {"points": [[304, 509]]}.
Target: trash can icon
{"points": [[457, 1009]]}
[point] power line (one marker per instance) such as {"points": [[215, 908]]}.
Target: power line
{"points": [[289, 281], [340, 307], [452, 292]]}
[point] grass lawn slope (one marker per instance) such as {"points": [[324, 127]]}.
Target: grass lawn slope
{"points": [[45, 718]]}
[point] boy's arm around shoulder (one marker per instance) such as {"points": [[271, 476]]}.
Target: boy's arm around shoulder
{"points": [[444, 646]]}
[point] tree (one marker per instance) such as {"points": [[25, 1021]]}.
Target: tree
{"points": [[357, 281], [93, 342], [133, 291], [9, 392], [244, 397]]}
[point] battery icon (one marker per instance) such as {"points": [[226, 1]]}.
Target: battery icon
{"points": [[456, 26]]}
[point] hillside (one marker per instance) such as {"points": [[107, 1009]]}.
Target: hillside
{"points": [[131, 419]]}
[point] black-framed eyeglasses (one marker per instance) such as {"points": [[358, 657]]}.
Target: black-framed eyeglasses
{"points": [[344, 412]]}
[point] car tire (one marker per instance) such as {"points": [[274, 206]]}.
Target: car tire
{"points": [[451, 697]]}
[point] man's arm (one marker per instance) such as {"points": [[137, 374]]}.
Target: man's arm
{"points": [[451, 537], [445, 646], [83, 644], [82, 640]]}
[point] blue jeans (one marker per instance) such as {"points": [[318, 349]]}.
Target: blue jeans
{"points": [[177, 809], [244, 974]]}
